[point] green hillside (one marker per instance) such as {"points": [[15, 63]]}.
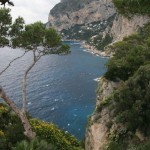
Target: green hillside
{"points": [[129, 105], [130, 7]]}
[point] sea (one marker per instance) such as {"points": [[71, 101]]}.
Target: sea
{"points": [[61, 88]]}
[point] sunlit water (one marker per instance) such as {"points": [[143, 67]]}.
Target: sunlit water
{"points": [[61, 89]]}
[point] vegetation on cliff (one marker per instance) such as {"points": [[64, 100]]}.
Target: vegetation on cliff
{"points": [[129, 105], [130, 54], [130, 7]]}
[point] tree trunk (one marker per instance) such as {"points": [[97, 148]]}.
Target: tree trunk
{"points": [[22, 115], [28, 129], [24, 84]]}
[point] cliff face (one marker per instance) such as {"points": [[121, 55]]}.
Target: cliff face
{"points": [[97, 131], [95, 21], [69, 13], [123, 26], [102, 125]]}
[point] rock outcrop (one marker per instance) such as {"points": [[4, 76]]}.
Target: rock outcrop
{"points": [[69, 13], [97, 130], [123, 26], [95, 21]]}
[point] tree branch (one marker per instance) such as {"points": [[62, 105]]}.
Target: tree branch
{"points": [[11, 63]]}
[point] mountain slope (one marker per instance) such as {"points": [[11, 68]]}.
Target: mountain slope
{"points": [[95, 21], [68, 13]]}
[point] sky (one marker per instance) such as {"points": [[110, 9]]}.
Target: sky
{"points": [[32, 10]]}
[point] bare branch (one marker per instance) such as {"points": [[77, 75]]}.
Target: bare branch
{"points": [[11, 63]]}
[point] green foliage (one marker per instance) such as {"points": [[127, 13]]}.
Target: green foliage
{"points": [[113, 146], [33, 37], [11, 133], [128, 7], [145, 31], [103, 104], [35, 144], [116, 146], [5, 22], [38, 39], [51, 38], [41, 41], [3, 144], [77, 32], [52, 134], [130, 54], [132, 101], [117, 135], [130, 104], [86, 31], [100, 42], [11, 128], [131, 109], [64, 48], [145, 146], [17, 27]]}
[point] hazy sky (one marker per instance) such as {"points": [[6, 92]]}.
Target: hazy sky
{"points": [[33, 10]]}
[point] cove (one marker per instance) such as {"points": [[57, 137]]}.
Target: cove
{"points": [[61, 89]]}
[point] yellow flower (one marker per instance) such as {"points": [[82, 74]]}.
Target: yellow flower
{"points": [[2, 134]]}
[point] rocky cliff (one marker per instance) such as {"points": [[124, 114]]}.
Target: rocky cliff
{"points": [[69, 13], [118, 121], [97, 131], [82, 19], [95, 21], [123, 26]]}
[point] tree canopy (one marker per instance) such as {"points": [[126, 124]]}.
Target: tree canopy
{"points": [[34, 38], [5, 23]]}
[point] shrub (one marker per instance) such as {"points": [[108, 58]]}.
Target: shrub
{"points": [[35, 144], [131, 7], [114, 146], [50, 133], [132, 102], [130, 54], [11, 132]]}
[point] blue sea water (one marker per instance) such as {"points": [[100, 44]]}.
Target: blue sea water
{"points": [[61, 89]]}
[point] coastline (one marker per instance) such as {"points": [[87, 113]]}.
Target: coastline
{"points": [[94, 51]]}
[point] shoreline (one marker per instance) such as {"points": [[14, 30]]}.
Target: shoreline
{"points": [[94, 51], [91, 49]]}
